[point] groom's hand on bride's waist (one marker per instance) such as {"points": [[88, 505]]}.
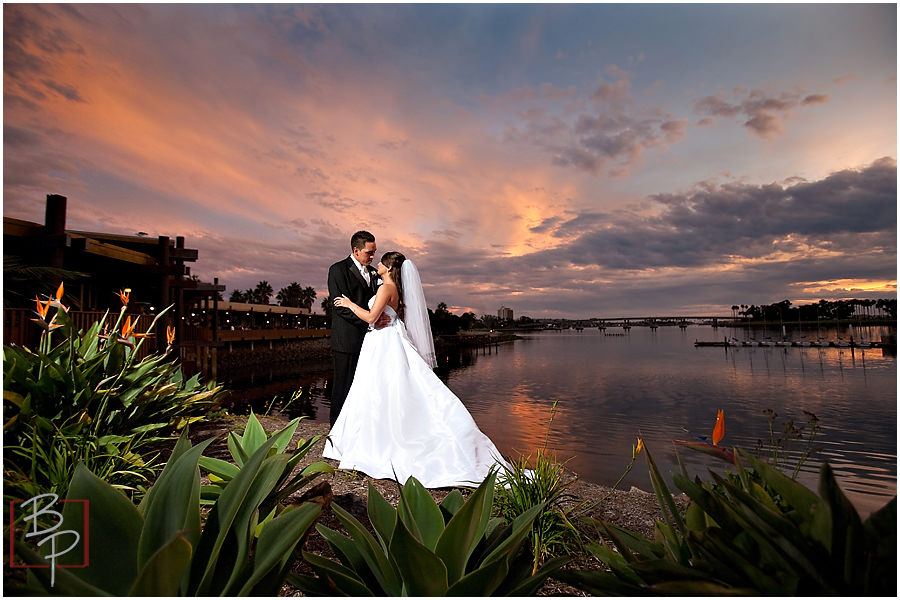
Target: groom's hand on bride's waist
{"points": [[382, 321]]}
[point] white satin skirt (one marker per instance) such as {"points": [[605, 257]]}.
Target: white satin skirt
{"points": [[400, 419]]}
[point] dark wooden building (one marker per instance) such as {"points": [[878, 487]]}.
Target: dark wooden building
{"points": [[96, 265]]}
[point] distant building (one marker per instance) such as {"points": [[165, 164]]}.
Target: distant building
{"points": [[505, 313]]}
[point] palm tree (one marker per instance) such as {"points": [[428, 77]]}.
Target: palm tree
{"points": [[237, 296], [290, 295], [263, 292], [307, 297], [327, 306]]}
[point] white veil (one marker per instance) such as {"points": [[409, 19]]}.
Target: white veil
{"points": [[416, 313]]}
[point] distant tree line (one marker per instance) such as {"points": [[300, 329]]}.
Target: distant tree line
{"points": [[845, 310], [444, 322], [293, 294]]}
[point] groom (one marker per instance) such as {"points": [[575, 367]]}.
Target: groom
{"points": [[355, 278]]}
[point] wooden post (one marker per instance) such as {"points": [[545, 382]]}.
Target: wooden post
{"points": [[215, 315], [215, 331], [55, 226], [165, 296]]}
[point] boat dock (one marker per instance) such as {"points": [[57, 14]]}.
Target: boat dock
{"points": [[798, 344]]}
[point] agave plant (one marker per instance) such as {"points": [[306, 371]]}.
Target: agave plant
{"points": [[160, 548], [757, 532], [426, 549], [242, 446]]}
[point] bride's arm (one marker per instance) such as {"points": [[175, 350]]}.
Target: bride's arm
{"points": [[371, 315]]}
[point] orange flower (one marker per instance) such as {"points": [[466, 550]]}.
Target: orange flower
{"points": [[128, 327], [42, 308], [57, 300], [719, 429], [123, 295], [170, 334], [640, 446]]}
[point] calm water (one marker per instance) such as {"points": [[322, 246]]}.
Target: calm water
{"points": [[611, 388]]}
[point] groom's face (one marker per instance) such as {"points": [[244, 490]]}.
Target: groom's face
{"points": [[365, 254]]}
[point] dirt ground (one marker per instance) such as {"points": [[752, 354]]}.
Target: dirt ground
{"points": [[633, 509]]}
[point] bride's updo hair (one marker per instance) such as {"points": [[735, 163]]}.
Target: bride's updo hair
{"points": [[394, 260]]}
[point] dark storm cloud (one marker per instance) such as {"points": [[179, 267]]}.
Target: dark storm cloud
{"points": [[706, 226], [764, 112], [840, 227]]}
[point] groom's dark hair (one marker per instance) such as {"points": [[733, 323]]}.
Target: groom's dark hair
{"points": [[360, 238]]}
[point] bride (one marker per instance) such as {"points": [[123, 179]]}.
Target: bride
{"points": [[399, 419]]}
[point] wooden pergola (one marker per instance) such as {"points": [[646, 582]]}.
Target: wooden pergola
{"points": [[154, 268]]}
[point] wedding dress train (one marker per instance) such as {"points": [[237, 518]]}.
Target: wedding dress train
{"points": [[399, 419]]}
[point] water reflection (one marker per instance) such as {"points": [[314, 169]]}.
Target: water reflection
{"points": [[611, 388]]}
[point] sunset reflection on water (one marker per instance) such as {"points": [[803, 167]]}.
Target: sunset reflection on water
{"points": [[610, 389]]}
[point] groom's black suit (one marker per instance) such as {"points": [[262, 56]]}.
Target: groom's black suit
{"points": [[347, 330]]}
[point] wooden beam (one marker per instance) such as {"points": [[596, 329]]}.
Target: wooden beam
{"points": [[20, 228], [113, 237], [187, 254], [112, 251]]}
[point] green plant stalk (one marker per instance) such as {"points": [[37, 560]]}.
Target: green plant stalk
{"points": [[773, 442], [619, 480], [807, 451], [520, 488], [294, 396], [550, 424], [129, 360]]}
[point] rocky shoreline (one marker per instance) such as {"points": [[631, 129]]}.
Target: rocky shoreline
{"points": [[633, 509]]}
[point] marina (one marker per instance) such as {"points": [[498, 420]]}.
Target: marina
{"points": [[887, 343]]}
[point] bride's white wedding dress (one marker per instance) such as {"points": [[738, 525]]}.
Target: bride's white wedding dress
{"points": [[399, 419]]}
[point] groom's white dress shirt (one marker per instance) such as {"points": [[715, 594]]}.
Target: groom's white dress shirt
{"points": [[362, 270]]}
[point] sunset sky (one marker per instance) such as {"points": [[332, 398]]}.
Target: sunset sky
{"points": [[562, 160]]}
